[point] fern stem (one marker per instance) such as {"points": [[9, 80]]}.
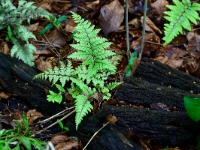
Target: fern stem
{"points": [[127, 32], [143, 30]]}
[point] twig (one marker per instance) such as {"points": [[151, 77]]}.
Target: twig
{"points": [[127, 32], [56, 115], [55, 123], [95, 135], [143, 30]]}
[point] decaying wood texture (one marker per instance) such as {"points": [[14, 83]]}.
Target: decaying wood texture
{"points": [[152, 85]]}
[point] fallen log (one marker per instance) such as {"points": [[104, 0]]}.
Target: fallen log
{"points": [[156, 72], [151, 85]]}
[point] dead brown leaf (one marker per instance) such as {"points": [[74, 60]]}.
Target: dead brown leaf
{"points": [[42, 64], [3, 95], [151, 44], [58, 139], [71, 144], [111, 16], [33, 27], [193, 46], [32, 115], [159, 7], [4, 48], [93, 4], [150, 26], [8, 120], [57, 38], [70, 26]]}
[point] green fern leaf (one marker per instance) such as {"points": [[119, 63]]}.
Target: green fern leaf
{"points": [[83, 106], [61, 74], [54, 97], [180, 16], [23, 52]]}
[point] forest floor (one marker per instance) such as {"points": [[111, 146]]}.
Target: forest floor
{"points": [[182, 53]]}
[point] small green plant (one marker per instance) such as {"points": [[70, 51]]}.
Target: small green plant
{"points": [[90, 78], [179, 17], [131, 63], [62, 126], [12, 18], [18, 138]]}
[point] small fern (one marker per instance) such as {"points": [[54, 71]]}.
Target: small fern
{"points": [[179, 17], [89, 78], [13, 17]]}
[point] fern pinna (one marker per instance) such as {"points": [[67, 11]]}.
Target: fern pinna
{"points": [[179, 17], [89, 78]]}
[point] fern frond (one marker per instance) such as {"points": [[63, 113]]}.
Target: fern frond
{"points": [[91, 48], [83, 106], [14, 17], [23, 52], [179, 17]]}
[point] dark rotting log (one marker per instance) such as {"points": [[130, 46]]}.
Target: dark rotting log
{"points": [[109, 138], [16, 80], [156, 72], [141, 92], [166, 128]]}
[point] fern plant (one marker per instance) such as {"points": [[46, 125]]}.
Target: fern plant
{"points": [[180, 16], [88, 79], [12, 18]]}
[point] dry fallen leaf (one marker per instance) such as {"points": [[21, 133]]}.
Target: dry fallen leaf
{"points": [[3, 95], [151, 44], [57, 38], [111, 16], [150, 26], [42, 64], [58, 138], [193, 46], [71, 144], [33, 27], [4, 48], [159, 7], [32, 115]]}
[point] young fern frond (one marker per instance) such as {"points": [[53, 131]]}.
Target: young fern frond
{"points": [[180, 16], [90, 77], [13, 17]]}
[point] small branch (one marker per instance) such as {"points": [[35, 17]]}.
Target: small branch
{"points": [[55, 123], [104, 125], [127, 32], [143, 30]]}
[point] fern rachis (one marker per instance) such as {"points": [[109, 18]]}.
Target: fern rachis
{"points": [[180, 16]]}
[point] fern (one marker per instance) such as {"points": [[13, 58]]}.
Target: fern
{"points": [[180, 16], [89, 78], [14, 17]]}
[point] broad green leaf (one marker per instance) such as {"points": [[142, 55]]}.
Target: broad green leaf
{"points": [[192, 106]]}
